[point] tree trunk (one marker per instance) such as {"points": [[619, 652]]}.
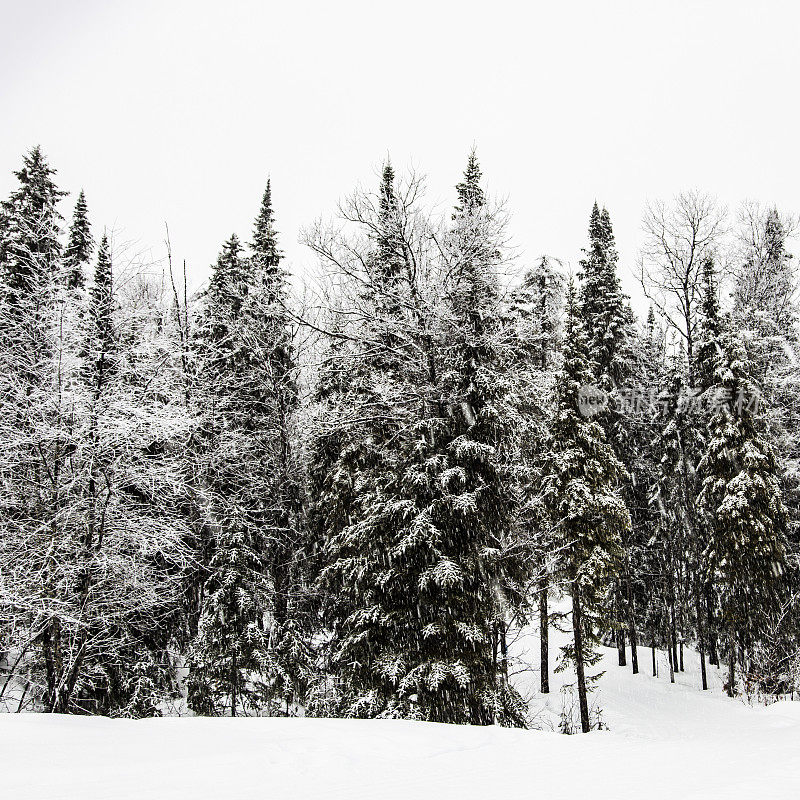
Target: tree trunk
{"points": [[732, 663], [544, 640], [673, 637], [655, 668], [700, 641], [577, 623], [503, 652], [713, 655], [632, 628], [233, 686], [669, 659]]}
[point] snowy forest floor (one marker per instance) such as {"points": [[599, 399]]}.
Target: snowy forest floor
{"points": [[663, 741]]}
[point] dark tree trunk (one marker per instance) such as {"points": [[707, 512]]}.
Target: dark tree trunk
{"points": [[669, 659], [700, 641], [503, 652], [713, 655], [544, 640], [632, 627], [577, 624], [731, 662], [673, 637], [234, 677], [655, 667]]}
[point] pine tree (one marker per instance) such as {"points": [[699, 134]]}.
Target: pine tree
{"points": [[30, 250], [79, 245], [533, 325], [413, 573], [708, 347], [604, 311], [101, 293], [742, 503], [272, 329], [266, 253], [581, 475], [608, 324], [481, 415], [230, 644]]}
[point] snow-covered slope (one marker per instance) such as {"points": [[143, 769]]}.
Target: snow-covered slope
{"points": [[664, 741], [88, 758]]}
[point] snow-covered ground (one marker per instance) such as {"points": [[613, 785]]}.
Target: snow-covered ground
{"points": [[664, 741]]}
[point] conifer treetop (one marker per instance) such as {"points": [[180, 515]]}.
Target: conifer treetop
{"points": [[80, 244], [265, 237], [470, 193]]}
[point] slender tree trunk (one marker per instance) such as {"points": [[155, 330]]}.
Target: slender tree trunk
{"points": [[669, 658], [503, 652], [632, 627], [577, 624], [732, 662], [713, 655], [495, 639], [700, 640], [22, 697], [655, 667], [673, 636], [623, 662], [233, 686], [544, 640]]}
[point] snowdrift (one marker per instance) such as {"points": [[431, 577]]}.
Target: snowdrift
{"points": [[663, 741]]}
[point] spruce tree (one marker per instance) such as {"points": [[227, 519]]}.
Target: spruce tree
{"points": [[79, 245], [30, 251], [101, 293], [581, 476], [287, 546], [266, 252], [533, 327], [413, 573], [231, 643], [474, 376], [608, 324], [742, 503]]}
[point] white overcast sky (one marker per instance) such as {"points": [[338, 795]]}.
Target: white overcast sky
{"points": [[179, 111]]}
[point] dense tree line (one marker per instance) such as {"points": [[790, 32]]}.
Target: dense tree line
{"points": [[344, 504]]}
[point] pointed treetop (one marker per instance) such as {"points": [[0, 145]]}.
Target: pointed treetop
{"points": [[30, 247], [80, 244], [101, 294], [710, 301], [102, 273], [607, 232], [387, 192], [470, 193], [230, 274], [35, 168], [595, 224], [266, 253]]}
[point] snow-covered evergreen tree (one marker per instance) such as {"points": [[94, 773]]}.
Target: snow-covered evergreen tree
{"points": [[272, 337], [533, 354], [411, 563], [30, 250], [742, 503], [608, 323], [80, 245], [231, 643], [580, 488]]}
